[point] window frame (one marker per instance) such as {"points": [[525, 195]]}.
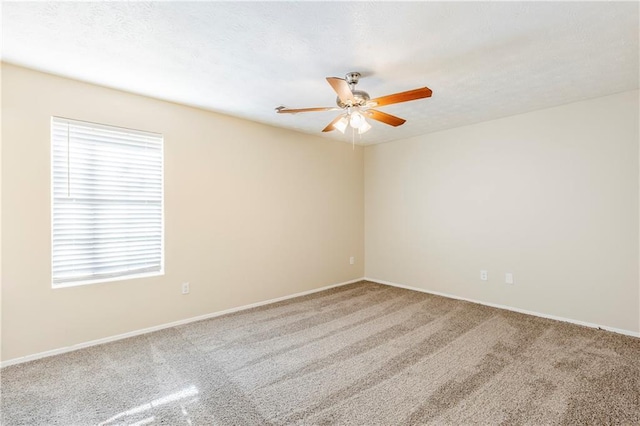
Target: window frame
{"points": [[102, 280]]}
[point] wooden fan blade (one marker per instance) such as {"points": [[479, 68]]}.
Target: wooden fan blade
{"points": [[283, 110], [330, 127], [410, 95], [389, 119], [342, 89]]}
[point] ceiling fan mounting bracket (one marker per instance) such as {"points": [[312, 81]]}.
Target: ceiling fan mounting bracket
{"points": [[352, 78]]}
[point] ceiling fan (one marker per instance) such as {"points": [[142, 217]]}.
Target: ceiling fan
{"points": [[357, 105]]}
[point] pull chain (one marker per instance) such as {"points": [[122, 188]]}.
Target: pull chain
{"points": [[353, 139]]}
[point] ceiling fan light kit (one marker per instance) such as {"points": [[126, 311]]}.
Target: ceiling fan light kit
{"points": [[356, 120], [341, 124], [365, 127], [358, 105]]}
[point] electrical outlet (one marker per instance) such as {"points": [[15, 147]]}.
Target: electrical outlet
{"points": [[484, 275], [352, 260], [508, 278], [185, 288]]}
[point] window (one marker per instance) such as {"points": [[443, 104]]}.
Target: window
{"points": [[107, 203]]}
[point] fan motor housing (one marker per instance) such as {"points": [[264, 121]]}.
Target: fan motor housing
{"points": [[361, 97]]}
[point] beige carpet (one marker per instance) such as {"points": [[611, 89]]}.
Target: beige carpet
{"points": [[363, 354]]}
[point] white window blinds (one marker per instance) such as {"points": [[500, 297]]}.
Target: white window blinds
{"points": [[107, 202]]}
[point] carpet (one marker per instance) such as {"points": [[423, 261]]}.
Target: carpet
{"points": [[361, 354]]}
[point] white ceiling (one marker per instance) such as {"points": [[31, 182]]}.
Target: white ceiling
{"points": [[483, 60]]}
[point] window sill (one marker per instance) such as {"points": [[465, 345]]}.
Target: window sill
{"points": [[107, 280]]}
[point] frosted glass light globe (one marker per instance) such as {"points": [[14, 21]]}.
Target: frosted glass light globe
{"points": [[356, 120]]}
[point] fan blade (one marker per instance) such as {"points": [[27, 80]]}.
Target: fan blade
{"points": [[283, 110], [410, 95], [330, 127], [342, 89], [389, 119]]}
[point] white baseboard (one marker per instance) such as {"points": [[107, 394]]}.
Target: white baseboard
{"points": [[75, 347], [509, 308]]}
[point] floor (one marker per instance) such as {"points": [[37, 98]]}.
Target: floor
{"points": [[361, 354]]}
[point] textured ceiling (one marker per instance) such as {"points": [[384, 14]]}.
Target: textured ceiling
{"points": [[483, 60]]}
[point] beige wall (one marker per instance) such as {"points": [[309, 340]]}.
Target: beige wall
{"points": [[0, 215], [252, 212], [551, 196]]}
